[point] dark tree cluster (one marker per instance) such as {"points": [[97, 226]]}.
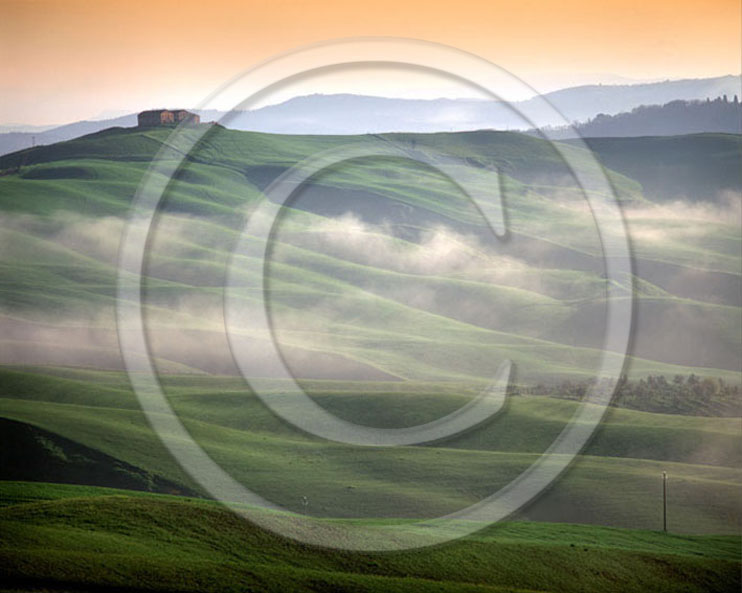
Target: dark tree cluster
{"points": [[718, 115], [688, 395], [676, 117]]}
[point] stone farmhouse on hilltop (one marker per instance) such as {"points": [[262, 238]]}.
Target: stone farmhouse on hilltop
{"points": [[163, 117]]}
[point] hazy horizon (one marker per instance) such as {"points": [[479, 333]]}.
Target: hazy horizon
{"points": [[311, 89]]}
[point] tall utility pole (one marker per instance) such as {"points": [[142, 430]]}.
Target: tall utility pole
{"points": [[664, 502]]}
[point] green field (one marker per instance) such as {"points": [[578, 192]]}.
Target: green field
{"points": [[615, 482], [393, 304], [75, 538]]}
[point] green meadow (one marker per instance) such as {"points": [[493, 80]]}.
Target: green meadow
{"points": [[392, 303], [76, 538], [615, 482]]}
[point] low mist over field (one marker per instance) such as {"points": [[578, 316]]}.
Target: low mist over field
{"points": [[341, 270]]}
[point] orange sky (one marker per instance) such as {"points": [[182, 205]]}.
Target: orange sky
{"points": [[69, 59]]}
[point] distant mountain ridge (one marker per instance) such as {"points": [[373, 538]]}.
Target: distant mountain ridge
{"points": [[585, 102], [676, 118], [12, 141], [360, 114]]}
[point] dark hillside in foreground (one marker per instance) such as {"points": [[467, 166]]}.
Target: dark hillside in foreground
{"points": [[28, 453]]}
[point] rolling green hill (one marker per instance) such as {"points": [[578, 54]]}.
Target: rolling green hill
{"points": [[611, 484], [82, 539], [392, 303], [67, 204]]}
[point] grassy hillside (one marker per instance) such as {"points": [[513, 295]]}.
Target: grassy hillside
{"points": [[67, 204], [392, 303], [615, 482], [695, 166], [80, 539]]}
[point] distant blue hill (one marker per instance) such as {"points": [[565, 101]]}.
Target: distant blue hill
{"points": [[12, 141], [358, 114]]}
